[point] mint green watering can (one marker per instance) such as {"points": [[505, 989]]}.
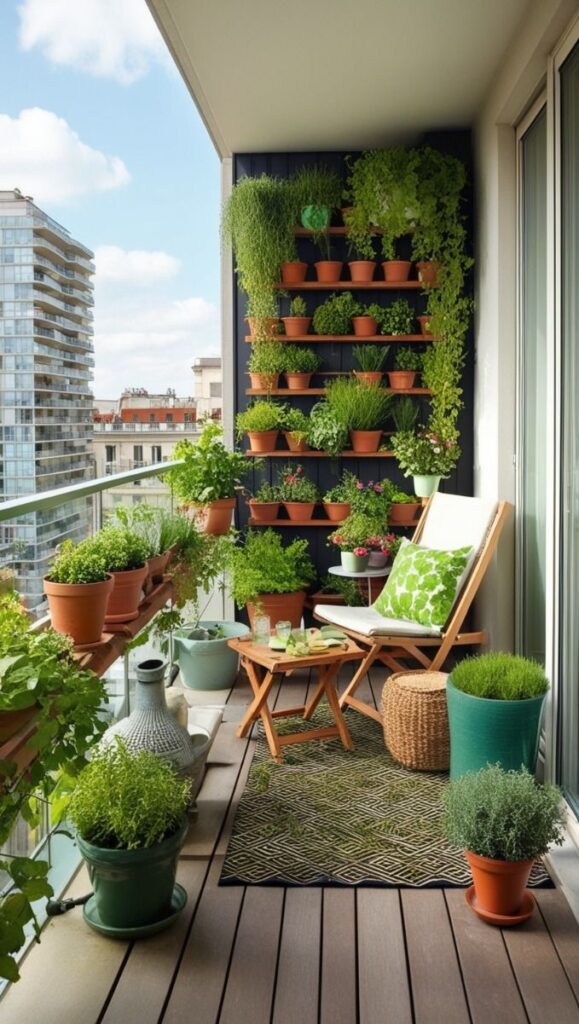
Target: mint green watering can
{"points": [[205, 660]]}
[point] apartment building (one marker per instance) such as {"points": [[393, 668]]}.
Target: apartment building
{"points": [[207, 374]]}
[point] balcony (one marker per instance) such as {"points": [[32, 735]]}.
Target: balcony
{"points": [[144, 428]]}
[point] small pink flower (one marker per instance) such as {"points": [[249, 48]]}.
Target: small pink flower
{"points": [[359, 485], [378, 489], [360, 552]]}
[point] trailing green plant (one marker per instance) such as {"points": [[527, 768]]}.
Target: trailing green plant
{"points": [[258, 221], [503, 815], [298, 306], [296, 423], [293, 485], [500, 676], [370, 358], [121, 549], [326, 433], [358, 406], [425, 453], [404, 414], [384, 189], [262, 564], [299, 359], [208, 470], [408, 359], [128, 800], [267, 357], [347, 588], [260, 415], [334, 316], [267, 492], [345, 490], [398, 318], [78, 563]]}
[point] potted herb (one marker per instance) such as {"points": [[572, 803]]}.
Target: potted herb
{"points": [[384, 187], [317, 192], [208, 477], [262, 421], [404, 508], [504, 821], [78, 587], [361, 408], [293, 272], [267, 575], [326, 432], [404, 414], [333, 318], [407, 364], [338, 500], [351, 539], [298, 494], [298, 322], [372, 499], [424, 322], [265, 365], [144, 520], [300, 364], [129, 813], [398, 318], [362, 270], [125, 556], [370, 359], [425, 456], [296, 426], [367, 320], [495, 703], [264, 504]]}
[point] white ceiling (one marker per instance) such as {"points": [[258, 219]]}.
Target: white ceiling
{"points": [[271, 76]]}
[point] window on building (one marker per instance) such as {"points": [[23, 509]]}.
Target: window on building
{"points": [[156, 453], [215, 389], [169, 417], [110, 453], [137, 454]]}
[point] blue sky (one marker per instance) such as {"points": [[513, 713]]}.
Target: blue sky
{"points": [[113, 148]]}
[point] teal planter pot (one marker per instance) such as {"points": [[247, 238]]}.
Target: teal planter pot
{"points": [[486, 731], [354, 563], [207, 664]]}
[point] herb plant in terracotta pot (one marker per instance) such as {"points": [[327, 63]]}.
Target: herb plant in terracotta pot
{"points": [[367, 320], [333, 318], [370, 359], [265, 365], [404, 509], [298, 322], [262, 421], [298, 494], [293, 272], [398, 318], [337, 501], [271, 576], [504, 821], [125, 555], [396, 271], [78, 587], [361, 408], [264, 504], [407, 364], [424, 322], [428, 271], [208, 478], [300, 364], [296, 426]]}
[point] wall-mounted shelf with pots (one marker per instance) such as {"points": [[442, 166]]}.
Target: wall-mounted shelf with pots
{"points": [[312, 339]]}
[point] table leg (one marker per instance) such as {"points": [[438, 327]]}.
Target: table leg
{"points": [[313, 703], [258, 707], [332, 698]]}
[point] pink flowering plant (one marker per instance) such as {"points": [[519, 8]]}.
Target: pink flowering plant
{"points": [[381, 542], [294, 486], [355, 534], [425, 453]]}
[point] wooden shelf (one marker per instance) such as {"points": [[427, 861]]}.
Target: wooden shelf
{"points": [[288, 392], [312, 339], [294, 522], [285, 454], [360, 286], [340, 229]]}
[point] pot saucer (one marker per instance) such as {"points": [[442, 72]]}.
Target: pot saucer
{"points": [[501, 920], [92, 918]]}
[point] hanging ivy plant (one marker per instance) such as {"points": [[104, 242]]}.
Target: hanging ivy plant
{"points": [[383, 185]]}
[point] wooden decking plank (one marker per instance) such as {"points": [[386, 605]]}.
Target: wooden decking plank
{"points": [[250, 983], [545, 990], [563, 929], [297, 989], [144, 982], [437, 988], [382, 967], [338, 1002], [482, 956]]}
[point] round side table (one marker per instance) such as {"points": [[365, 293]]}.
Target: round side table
{"points": [[367, 574]]}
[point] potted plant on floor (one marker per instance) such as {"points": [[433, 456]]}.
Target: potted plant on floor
{"points": [[262, 421], [361, 408], [425, 456], [267, 575], [129, 813], [298, 494], [333, 318], [208, 477], [299, 366], [125, 556], [298, 322], [340, 591], [495, 702], [296, 426], [504, 821], [407, 364], [370, 359], [78, 588], [265, 503], [351, 538], [367, 320], [398, 318], [265, 365]]}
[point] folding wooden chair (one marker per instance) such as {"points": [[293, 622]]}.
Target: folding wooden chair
{"points": [[449, 521]]}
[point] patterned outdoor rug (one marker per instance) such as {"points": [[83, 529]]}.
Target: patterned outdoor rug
{"points": [[328, 816]]}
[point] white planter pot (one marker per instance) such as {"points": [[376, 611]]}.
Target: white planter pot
{"points": [[425, 486]]}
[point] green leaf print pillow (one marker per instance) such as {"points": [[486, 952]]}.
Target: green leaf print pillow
{"points": [[422, 584]]}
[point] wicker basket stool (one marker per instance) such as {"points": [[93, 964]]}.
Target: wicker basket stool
{"points": [[416, 720]]}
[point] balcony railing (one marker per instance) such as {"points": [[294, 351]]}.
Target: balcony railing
{"points": [[128, 428]]}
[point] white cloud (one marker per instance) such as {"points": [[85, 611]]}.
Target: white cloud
{"points": [[42, 155], [137, 267], [105, 38]]}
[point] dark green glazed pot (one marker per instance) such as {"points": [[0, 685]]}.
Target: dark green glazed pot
{"points": [[133, 888], [486, 731]]}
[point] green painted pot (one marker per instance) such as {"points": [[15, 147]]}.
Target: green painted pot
{"points": [[484, 731], [425, 486], [354, 563], [207, 664]]}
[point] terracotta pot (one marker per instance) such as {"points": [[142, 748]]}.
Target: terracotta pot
{"points": [[263, 440], [362, 270], [295, 442], [428, 273], [78, 609], [157, 566], [328, 271], [396, 270], [401, 380], [299, 511], [322, 598], [404, 514], [279, 607], [264, 381], [124, 601], [364, 326], [267, 326], [337, 511], [368, 377], [298, 381], [261, 511], [499, 884], [12, 722], [296, 326], [424, 322], [294, 272], [218, 516], [365, 440]]}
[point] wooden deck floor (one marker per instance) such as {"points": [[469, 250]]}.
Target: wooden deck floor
{"points": [[299, 956]]}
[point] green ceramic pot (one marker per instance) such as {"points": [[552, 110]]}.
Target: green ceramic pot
{"points": [[354, 563], [484, 731], [425, 485], [207, 664]]}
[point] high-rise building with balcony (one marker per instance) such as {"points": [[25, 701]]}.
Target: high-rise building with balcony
{"points": [[46, 360]]}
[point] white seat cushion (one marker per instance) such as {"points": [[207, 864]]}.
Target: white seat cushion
{"points": [[455, 521], [369, 622]]}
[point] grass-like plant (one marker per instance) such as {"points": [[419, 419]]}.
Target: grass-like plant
{"points": [[404, 414], [266, 357], [294, 485], [409, 359], [504, 815], [500, 676], [334, 316], [316, 186], [297, 359], [121, 549], [262, 564], [78, 563], [126, 800], [358, 406], [260, 416], [398, 318], [370, 358]]}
